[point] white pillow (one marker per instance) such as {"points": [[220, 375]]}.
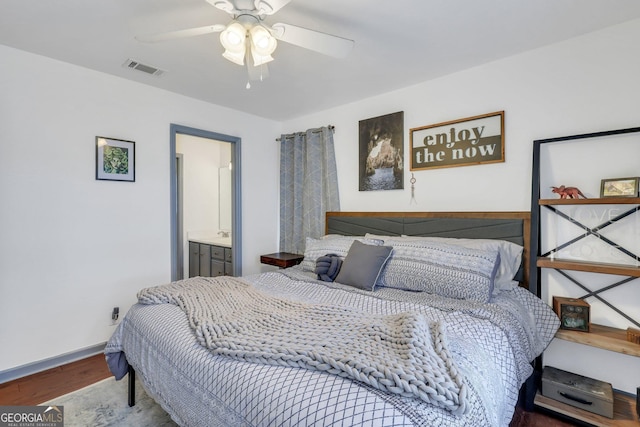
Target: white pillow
{"points": [[339, 245]]}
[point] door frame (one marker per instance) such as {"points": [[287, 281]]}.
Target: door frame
{"points": [[236, 199], [179, 244]]}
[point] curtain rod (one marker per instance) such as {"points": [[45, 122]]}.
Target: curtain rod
{"points": [[331, 128]]}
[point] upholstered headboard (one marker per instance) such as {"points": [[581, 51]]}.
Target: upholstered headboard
{"points": [[510, 226]]}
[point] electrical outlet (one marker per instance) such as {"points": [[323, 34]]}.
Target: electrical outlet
{"points": [[115, 315]]}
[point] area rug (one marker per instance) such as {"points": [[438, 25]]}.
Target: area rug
{"points": [[105, 404]]}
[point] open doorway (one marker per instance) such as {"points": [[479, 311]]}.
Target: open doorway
{"points": [[227, 175]]}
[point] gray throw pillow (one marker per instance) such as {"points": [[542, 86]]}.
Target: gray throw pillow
{"points": [[362, 265]]}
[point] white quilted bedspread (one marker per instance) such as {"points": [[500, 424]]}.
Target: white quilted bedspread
{"points": [[399, 353], [490, 344]]}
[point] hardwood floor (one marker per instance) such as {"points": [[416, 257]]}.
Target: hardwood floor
{"points": [[46, 385], [536, 419]]}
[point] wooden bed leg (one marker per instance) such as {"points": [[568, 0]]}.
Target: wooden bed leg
{"points": [[132, 386]]}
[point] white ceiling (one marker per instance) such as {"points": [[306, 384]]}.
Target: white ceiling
{"points": [[398, 43]]}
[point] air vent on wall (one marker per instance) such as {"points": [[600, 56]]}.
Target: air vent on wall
{"points": [[137, 65]]}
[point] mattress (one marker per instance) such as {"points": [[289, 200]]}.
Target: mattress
{"points": [[492, 344]]}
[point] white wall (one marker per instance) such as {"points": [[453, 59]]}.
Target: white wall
{"points": [[583, 85], [586, 84], [71, 247]]}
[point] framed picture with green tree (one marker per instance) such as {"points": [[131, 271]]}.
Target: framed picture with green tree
{"points": [[115, 159]]}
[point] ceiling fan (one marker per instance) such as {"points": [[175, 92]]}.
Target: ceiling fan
{"points": [[248, 39]]}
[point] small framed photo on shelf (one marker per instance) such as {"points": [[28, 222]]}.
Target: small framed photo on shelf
{"points": [[619, 187], [574, 314], [115, 159]]}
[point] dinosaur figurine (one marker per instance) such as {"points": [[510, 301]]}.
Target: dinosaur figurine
{"points": [[568, 192]]}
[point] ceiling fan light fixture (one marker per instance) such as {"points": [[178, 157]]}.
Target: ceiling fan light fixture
{"points": [[260, 59], [246, 40], [233, 37], [235, 57], [234, 41], [262, 42]]}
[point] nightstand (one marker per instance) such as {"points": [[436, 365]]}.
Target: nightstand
{"points": [[282, 259]]}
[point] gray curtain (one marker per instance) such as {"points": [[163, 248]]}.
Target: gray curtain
{"points": [[308, 186]]}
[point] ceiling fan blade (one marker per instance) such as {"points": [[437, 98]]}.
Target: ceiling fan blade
{"points": [[269, 7], [191, 32], [225, 5], [326, 44]]}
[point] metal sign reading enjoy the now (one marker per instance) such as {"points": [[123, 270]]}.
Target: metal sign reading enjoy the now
{"points": [[470, 141]]}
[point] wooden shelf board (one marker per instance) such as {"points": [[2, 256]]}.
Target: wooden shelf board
{"points": [[599, 201], [592, 267], [624, 411], [603, 337]]}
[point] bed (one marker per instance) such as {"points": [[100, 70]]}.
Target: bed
{"points": [[391, 319]]}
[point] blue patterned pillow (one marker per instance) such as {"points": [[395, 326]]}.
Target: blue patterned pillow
{"points": [[447, 270]]}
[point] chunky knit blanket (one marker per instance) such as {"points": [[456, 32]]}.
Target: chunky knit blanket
{"points": [[403, 353]]}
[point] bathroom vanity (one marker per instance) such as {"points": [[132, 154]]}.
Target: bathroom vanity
{"points": [[210, 257]]}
